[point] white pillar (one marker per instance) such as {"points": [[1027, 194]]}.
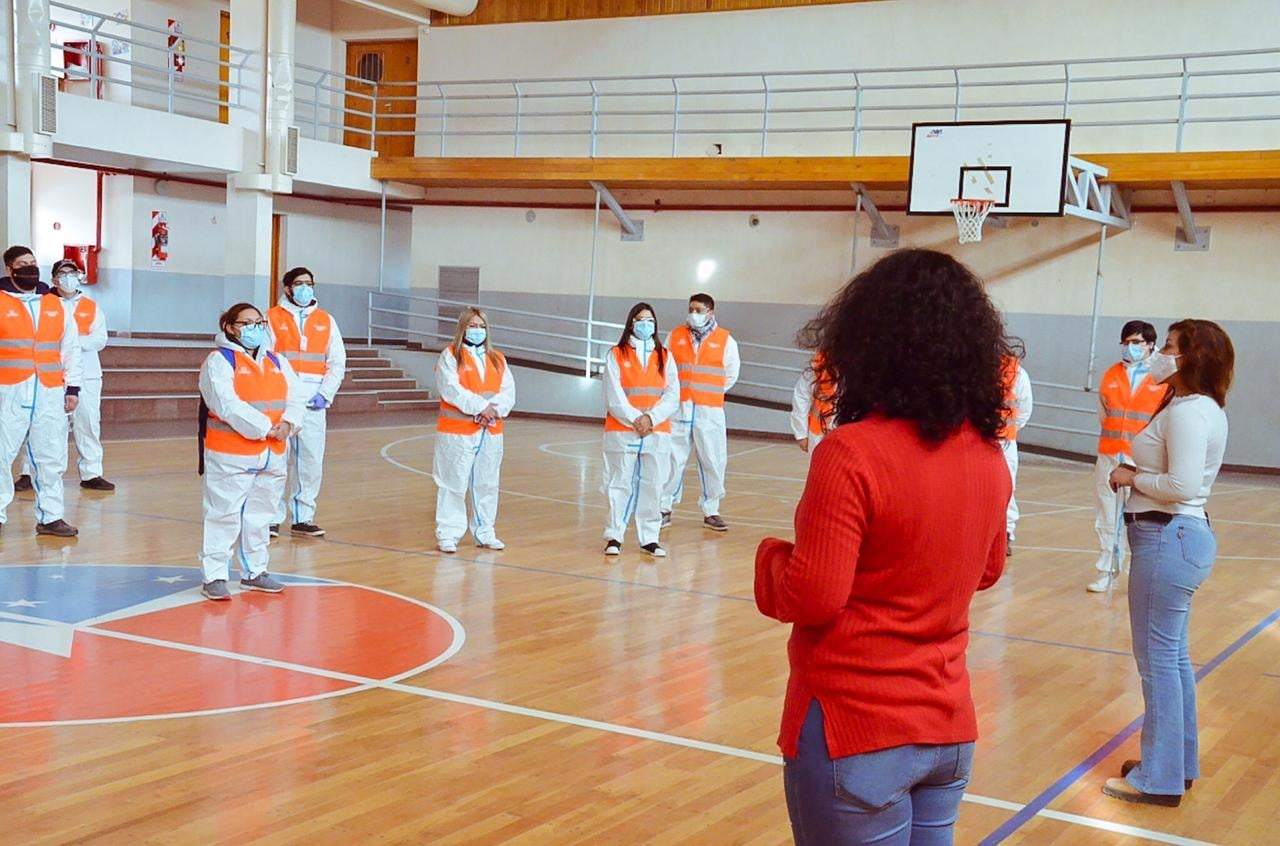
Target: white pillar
{"points": [[32, 48], [247, 266], [282, 26], [15, 200]]}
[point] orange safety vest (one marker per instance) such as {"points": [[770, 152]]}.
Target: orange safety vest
{"points": [[86, 311], [288, 340], [27, 350], [1126, 413], [642, 385], [263, 387], [1009, 376], [451, 420], [702, 373], [821, 406]]}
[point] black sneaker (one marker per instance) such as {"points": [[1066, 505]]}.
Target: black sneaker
{"points": [[58, 529], [22, 484], [654, 551], [613, 547], [310, 530], [666, 519], [97, 483], [274, 530], [1008, 546]]}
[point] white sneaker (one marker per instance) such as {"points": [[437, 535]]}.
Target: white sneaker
{"points": [[492, 543], [1103, 564], [652, 549], [447, 545], [613, 547], [1103, 584]]}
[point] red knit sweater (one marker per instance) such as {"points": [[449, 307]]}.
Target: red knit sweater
{"points": [[893, 536]]}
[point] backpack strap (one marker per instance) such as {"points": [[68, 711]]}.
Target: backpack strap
{"points": [[202, 425], [274, 360], [229, 355]]}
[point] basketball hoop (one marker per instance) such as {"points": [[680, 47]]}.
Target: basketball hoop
{"points": [[970, 215]]}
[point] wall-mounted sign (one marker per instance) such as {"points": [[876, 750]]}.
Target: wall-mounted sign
{"points": [[159, 239], [177, 47]]}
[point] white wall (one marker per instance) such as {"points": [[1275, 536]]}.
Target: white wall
{"points": [[199, 19], [340, 243]]}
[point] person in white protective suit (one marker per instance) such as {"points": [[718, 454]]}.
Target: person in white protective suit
{"points": [[707, 361], [811, 406], [251, 404], [86, 420], [308, 337], [1018, 400], [40, 381], [477, 392], [642, 394]]}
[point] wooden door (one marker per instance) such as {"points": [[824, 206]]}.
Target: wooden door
{"points": [[224, 69], [277, 223], [393, 65]]}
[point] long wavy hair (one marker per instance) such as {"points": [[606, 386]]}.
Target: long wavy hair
{"points": [[915, 337], [460, 335], [624, 342], [1206, 359]]}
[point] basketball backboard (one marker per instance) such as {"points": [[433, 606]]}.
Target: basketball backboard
{"points": [[1020, 166]]}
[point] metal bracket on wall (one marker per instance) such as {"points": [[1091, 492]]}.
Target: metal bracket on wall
{"points": [[883, 233], [1189, 238], [632, 229], [1091, 199]]}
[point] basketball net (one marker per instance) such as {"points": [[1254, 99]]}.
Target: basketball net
{"points": [[970, 215]]}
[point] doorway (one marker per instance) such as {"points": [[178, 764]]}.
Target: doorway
{"points": [[393, 67], [277, 232]]}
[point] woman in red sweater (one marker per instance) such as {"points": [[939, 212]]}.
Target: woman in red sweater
{"points": [[901, 521]]}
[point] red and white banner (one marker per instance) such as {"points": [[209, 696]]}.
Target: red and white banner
{"points": [[159, 239], [177, 47]]}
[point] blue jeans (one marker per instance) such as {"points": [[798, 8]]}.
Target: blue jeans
{"points": [[903, 796], [1169, 562]]}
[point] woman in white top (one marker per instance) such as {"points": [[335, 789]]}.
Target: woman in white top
{"points": [[476, 395], [1173, 547], [641, 393]]}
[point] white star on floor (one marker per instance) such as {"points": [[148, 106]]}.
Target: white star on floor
{"points": [[58, 577], [168, 580], [24, 603]]}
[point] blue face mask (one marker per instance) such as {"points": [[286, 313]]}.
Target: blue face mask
{"points": [[643, 329], [1133, 352], [253, 337], [304, 295], [475, 336]]}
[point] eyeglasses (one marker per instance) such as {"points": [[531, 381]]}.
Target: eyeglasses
{"points": [[246, 323]]}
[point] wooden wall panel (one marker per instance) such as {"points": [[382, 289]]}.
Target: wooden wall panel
{"points": [[515, 11]]}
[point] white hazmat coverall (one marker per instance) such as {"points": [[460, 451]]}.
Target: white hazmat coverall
{"points": [[36, 415], [242, 492], [802, 407], [1022, 413], [86, 420], [635, 468], [468, 461], [1104, 498], [306, 447], [700, 429]]}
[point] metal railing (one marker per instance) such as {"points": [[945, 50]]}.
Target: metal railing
{"points": [[430, 320], [127, 54], [830, 112]]}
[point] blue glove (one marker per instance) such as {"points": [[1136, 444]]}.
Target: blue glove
{"points": [[318, 403]]}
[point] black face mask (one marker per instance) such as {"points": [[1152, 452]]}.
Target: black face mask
{"points": [[26, 278]]}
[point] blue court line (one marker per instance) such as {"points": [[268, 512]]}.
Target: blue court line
{"points": [[1053, 791]]}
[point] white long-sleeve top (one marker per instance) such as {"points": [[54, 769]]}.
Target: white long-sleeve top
{"points": [[335, 356], [802, 404], [1022, 399], [1178, 457], [217, 386], [72, 369], [615, 397], [92, 343], [466, 401]]}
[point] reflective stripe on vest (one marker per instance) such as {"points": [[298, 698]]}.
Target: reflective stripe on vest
{"points": [[263, 387], [643, 387], [701, 368], [313, 361], [86, 311], [1125, 412], [28, 349], [1009, 376], [453, 421]]}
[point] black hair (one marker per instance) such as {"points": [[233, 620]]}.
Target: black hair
{"points": [[229, 316], [292, 276], [929, 303], [16, 252], [624, 342], [62, 263], [1136, 327], [706, 299]]}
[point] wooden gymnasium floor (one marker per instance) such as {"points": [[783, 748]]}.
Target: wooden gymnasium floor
{"points": [[592, 701]]}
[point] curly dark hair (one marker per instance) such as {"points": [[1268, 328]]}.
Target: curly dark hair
{"points": [[915, 336]]}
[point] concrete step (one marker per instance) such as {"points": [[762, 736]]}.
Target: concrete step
{"points": [[403, 395], [409, 405], [153, 358], [129, 381]]}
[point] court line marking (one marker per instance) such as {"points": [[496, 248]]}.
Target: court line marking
{"points": [[364, 682], [459, 639], [1053, 791]]}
